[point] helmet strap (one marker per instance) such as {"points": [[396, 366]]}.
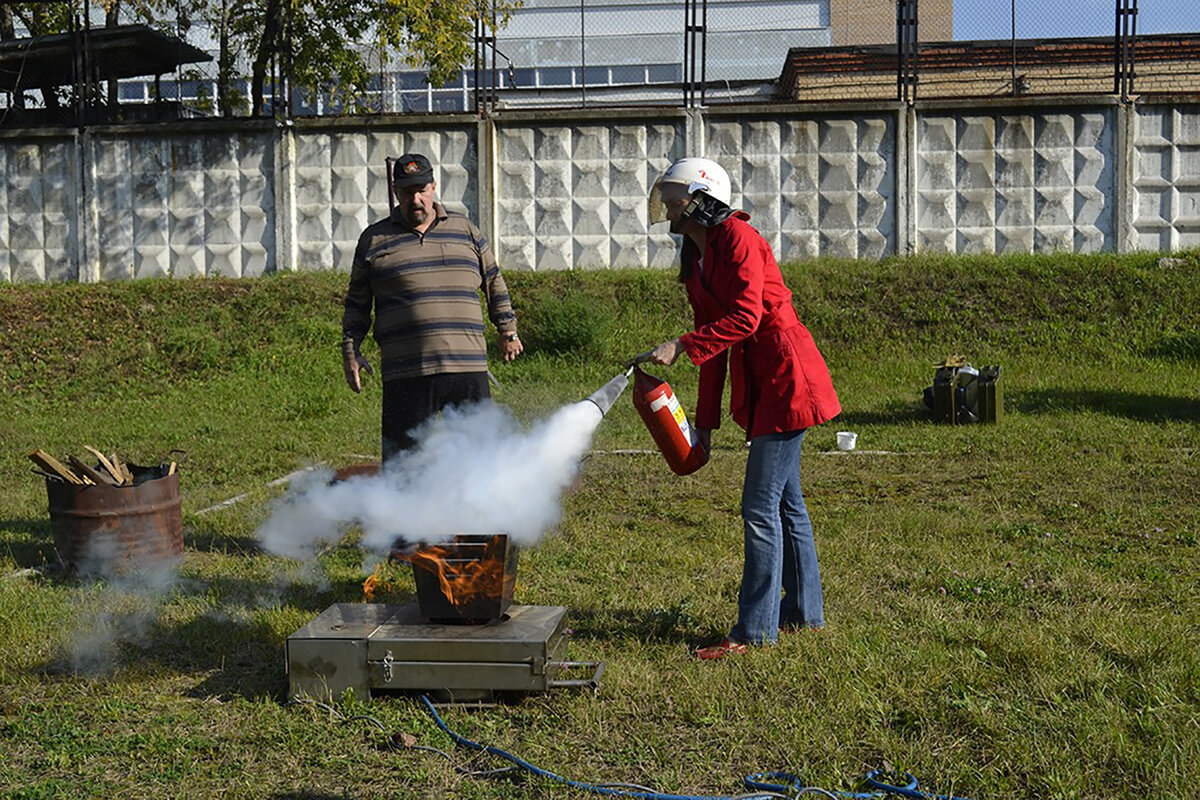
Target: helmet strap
{"points": [[706, 210]]}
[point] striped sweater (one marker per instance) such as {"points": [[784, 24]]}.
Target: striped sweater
{"points": [[425, 293]]}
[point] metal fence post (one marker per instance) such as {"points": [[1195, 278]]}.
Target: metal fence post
{"points": [[1124, 41], [695, 49], [906, 50], [477, 97]]}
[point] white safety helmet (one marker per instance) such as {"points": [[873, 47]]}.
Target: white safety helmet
{"points": [[698, 175]]}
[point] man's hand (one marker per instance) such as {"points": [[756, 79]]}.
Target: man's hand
{"points": [[704, 438], [352, 362], [510, 346], [666, 353]]}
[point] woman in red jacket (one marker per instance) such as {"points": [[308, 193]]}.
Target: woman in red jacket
{"points": [[780, 387]]}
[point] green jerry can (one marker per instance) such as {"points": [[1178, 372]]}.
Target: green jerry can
{"points": [[961, 395]]}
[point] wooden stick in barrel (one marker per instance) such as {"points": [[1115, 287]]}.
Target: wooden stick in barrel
{"points": [[52, 465]]}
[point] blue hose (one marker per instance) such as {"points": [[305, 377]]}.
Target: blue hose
{"points": [[758, 783], [752, 781], [588, 787]]}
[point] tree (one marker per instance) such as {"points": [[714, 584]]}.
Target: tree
{"points": [[332, 43], [334, 46], [39, 19]]}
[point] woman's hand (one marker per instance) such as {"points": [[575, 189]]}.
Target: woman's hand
{"points": [[666, 353]]}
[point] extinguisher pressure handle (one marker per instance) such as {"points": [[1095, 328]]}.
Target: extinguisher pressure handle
{"points": [[640, 358]]}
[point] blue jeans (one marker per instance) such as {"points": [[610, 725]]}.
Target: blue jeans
{"points": [[781, 555]]}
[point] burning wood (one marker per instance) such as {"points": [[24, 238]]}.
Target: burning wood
{"points": [[108, 471]]}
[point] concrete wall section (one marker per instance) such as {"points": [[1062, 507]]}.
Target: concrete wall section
{"points": [[39, 210], [341, 183], [572, 194], [813, 185], [567, 189], [184, 205], [1015, 182], [1166, 177]]}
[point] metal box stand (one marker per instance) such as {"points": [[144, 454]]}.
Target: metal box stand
{"points": [[371, 648]]}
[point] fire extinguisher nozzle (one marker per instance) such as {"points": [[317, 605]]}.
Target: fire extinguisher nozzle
{"points": [[606, 395]]}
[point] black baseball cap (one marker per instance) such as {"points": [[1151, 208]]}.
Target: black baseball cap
{"points": [[411, 169]]}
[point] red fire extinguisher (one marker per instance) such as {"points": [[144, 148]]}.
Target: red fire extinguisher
{"points": [[664, 417]]}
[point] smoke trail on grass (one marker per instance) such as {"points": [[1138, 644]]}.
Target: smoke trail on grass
{"points": [[474, 471], [123, 616], [126, 610]]}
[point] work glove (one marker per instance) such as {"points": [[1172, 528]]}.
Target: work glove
{"points": [[352, 362]]}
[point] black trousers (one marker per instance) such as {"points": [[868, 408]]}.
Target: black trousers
{"points": [[407, 402]]}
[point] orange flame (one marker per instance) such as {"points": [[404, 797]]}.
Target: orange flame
{"points": [[371, 584], [463, 580]]}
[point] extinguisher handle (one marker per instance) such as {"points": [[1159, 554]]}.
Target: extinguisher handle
{"points": [[640, 358]]}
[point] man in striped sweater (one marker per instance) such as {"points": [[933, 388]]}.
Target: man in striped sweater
{"points": [[422, 269]]}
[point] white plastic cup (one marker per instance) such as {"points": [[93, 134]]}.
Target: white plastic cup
{"points": [[846, 440]]}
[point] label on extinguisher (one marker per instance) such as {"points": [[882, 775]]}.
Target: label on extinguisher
{"points": [[669, 400]]}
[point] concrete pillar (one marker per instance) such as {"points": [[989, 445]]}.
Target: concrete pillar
{"points": [[85, 250], [286, 256], [1125, 123], [906, 179]]}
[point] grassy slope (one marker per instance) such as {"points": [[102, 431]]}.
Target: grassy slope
{"points": [[1013, 609]]}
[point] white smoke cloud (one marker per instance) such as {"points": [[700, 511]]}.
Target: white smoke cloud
{"points": [[475, 471]]}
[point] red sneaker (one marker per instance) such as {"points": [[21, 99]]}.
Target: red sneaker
{"points": [[725, 648]]}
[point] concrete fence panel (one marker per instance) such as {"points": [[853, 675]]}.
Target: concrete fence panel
{"points": [[340, 188], [1015, 181], [814, 185], [183, 205], [39, 210], [1166, 177], [571, 193], [567, 189]]}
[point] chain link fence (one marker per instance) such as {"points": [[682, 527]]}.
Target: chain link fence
{"points": [[1019, 47], [71, 63], [1001, 48]]}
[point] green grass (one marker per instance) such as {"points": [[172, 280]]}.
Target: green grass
{"points": [[1013, 609]]}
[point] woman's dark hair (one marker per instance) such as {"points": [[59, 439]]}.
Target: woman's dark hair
{"points": [[686, 255]]}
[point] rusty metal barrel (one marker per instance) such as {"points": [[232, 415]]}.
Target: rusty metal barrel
{"points": [[112, 528]]}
